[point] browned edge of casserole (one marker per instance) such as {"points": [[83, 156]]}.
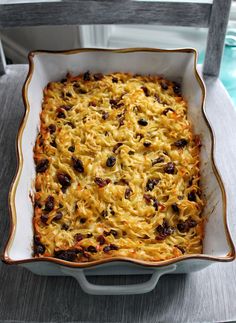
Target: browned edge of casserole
{"points": [[5, 257]]}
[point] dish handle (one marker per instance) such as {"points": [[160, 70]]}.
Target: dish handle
{"points": [[139, 288]]}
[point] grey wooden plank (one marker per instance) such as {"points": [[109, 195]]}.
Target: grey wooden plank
{"points": [[216, 36], [104, 12], [205, 296], [2, 60]]}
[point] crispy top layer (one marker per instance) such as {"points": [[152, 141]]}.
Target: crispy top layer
{"points": [[117, 170]]}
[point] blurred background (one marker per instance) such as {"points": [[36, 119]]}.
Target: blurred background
{"points": [[17, 42]]}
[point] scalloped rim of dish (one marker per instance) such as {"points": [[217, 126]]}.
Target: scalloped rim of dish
{"points": [[5, 257]]}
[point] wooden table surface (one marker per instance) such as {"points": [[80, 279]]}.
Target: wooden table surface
{"points": [[205, 296]]}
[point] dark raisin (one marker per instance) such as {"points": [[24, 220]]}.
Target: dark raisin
{"points": [[192, 196], [191, 223], [89, 235], [111, 160], [114, 103], [177, 88], [60, 205], [86, 76], [182, 226], [77, 164], [169, 168], [131, 152], [76, 85], [58, 216], [105, 115], [180, 143], [101, 240], [158, 160], [145, 90], [167, 110], [147, 144], [64, 179], [61, 113], [69, 94], [63, 80], [148, 198], [156, 96], [78, 237], [37, 204], [114, 233], [155, 204], [164, 86], [92, 104], [164, 230], [69, 255], [142, 122], [113, 247], [117, 146], [128, 192], [151, 183], [81, 91], [175, 208], [52, 128], [104, 213], [98, 76], [82, 220], [122, 182], [37, 240], [112, 211], [53, 143], [66, 107], [121, 121], [102, 182], [42, 165], [106, 233], [92, 249], [49, 203], [71, 125], [114, 79], [65, 226], [71, 148], [41, 141], [39, 249], [180, 248], [44, 218], [159, 229], [106, 249]]}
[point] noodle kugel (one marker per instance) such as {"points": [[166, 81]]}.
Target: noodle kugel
{"points": [[117, 170]]}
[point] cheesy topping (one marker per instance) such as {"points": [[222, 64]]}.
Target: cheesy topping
{"points": [[117, 170]]}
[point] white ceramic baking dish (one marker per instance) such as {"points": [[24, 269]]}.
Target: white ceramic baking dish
{"points": [[177, 65]]}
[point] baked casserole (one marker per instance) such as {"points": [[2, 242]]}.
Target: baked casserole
{"points": [[117, 170]]}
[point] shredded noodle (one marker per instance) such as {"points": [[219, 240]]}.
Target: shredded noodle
{"points": [[117, 170]]}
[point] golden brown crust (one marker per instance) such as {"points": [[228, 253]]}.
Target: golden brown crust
{"points": [[117, 170]]}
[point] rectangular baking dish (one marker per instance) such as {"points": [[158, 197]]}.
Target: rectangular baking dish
{"points": [[177, 65]]}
